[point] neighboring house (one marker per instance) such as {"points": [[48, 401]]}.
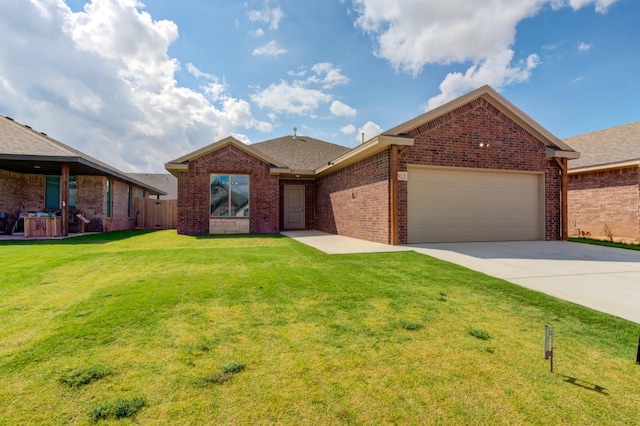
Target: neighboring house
{"points": [[475, 169], [165, 182], [40, 174], [604, 184]]}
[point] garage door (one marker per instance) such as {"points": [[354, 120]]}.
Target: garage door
{"points": [[456, 205]]}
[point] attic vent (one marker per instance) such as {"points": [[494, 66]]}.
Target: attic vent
{"points": [[43, 133], [28, 127], [9, 118]]}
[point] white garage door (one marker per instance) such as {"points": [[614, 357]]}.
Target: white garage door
{"points": [[456, 205]]}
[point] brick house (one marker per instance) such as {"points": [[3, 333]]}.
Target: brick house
{"points": [[39, 174], [475, 169], [604, 184]]}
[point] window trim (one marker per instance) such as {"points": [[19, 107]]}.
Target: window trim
{"points": [[230, 176], [109, 196]]}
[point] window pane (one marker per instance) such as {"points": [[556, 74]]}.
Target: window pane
{"points": [[240, 195], [52, 193], [109, 198], [72, 192], [219, 195]]}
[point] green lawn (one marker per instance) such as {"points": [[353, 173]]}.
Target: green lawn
{"points": [[156, 328]]}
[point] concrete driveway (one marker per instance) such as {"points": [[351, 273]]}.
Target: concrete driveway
{"points": [[603, 278]]}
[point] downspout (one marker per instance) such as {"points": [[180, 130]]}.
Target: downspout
{"points": [[393, 196], [564, 197], [64, 219]]}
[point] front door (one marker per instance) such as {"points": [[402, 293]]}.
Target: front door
{"points": [[294, 207]]}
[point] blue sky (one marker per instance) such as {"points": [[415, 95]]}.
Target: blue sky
{"points": [[138, 84]]}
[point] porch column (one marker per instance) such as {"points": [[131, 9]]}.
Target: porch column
{"points": [[64, 219], [393, 196]]}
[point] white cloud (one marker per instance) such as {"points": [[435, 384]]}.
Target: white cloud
{"points": [[101, 80], [370, 129], [410, 34], [270, 16], [496, 71], [288, 98], [583, 47], [303, 96], [199, 74], [348, 129], [270, 49], [600, 5], [258, 33], [328, 76], [341, 109]]}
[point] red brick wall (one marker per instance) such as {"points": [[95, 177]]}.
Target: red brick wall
{"points": [[91, 195], [194, 191], [120, 218], [21, 192], [309, 202], [605, 199], [454, 139], [25, 192], [354, 201]]}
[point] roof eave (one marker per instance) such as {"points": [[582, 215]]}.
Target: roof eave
{"points": [[556, 153], [608, 166], [174, 168], [230, 140], [79, 160], [367, 149]]}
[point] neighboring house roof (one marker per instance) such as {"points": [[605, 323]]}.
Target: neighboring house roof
{"points": [[163, 181], [612, 147], [301, 152], [24, 150]]}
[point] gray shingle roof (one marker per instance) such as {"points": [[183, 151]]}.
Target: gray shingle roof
{"points": [[301, 152], [20, 143], [609, 146], [164, 181]]}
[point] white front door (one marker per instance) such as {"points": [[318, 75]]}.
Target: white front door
{"points": [[294, 207]]}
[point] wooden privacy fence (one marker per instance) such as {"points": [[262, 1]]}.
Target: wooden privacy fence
{"points": [[156, 214]]}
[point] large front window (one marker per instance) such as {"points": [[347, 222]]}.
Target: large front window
{"points": [[229, 195]]}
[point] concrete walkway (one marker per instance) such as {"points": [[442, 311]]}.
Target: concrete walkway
{"points": [[602, 278]]}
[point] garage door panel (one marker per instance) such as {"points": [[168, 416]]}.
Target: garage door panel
{"points": [[452, 205]]}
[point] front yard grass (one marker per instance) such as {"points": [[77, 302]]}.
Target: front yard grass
{"points": [[157, 328]]}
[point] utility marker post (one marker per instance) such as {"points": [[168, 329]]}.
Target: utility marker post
{"points": [[548, 345]]}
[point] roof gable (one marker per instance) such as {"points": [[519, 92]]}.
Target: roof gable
{"points": [[608, 147], [554, 145], [182, 163]]}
